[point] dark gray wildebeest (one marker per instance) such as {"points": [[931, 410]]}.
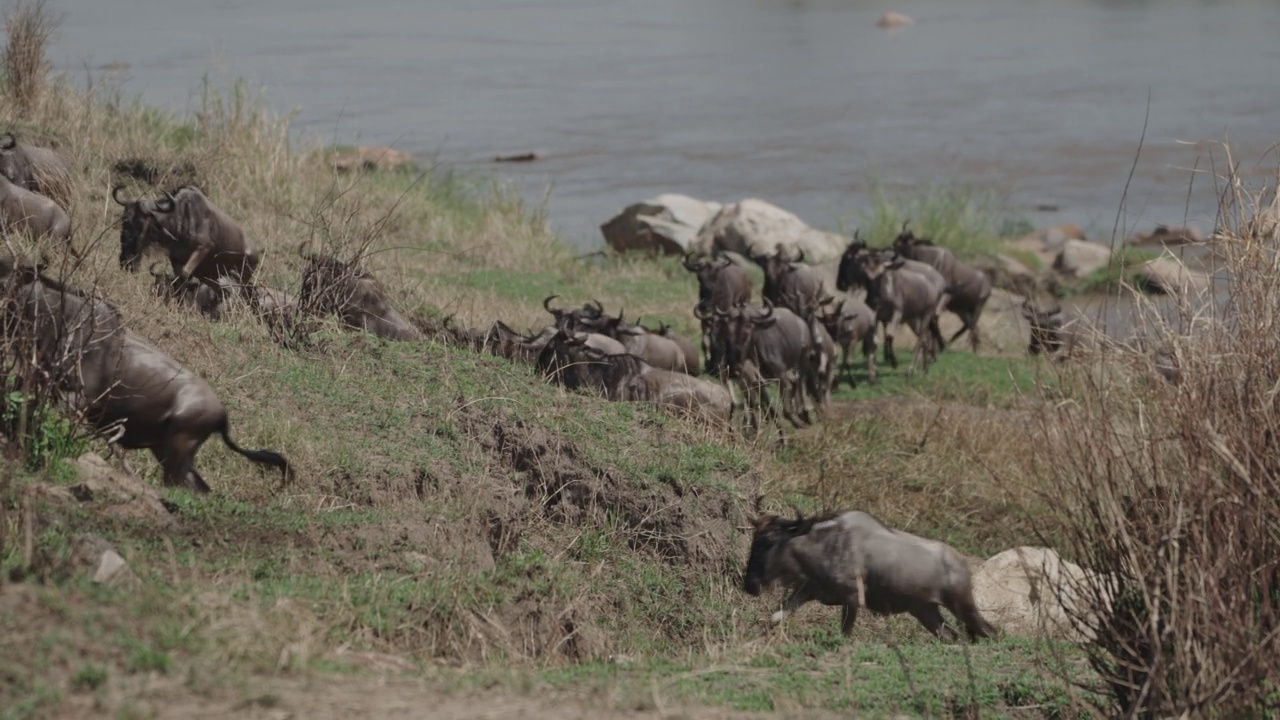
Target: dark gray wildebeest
{"points": [[39, 169], [571, 361], [585, 319], [355, 296], [128, 391], [1052, 332], [759, 345], [201, 241], [687, 347], [848, 320], [30, 213], [659, 350], [852, 561], [190, 293], [721, 283], [821, 377], [899, 290], [969, 289], [788, 283]]}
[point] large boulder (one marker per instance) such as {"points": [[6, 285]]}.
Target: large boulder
{"points": [[667, 223], [754, 227], [1079, 258], [1168, 236], [1166, 276], [1032, 592]]}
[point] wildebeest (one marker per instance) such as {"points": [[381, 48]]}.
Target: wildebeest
{"points": [[39, 169], [570, 360], [788, 283], [851, 321], [1052, 332], [898, 293], [191, 292], [757, 345], [587, 317], [853, 561], [659, 350], [30, 213], [721, 283], [821, 366], [121, 385], [968, 289], [200, 240], [355, 296]]}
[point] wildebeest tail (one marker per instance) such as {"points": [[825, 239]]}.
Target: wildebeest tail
{"points": [[267, 457]]}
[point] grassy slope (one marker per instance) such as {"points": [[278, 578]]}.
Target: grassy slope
{"points": [[451, 507]]}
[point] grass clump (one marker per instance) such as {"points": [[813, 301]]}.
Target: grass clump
{"points": [[961, 217], [1170, 492], [24, 67]]}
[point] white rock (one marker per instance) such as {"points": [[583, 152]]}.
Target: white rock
{"points": [[1032, 591], [667, 223], [755, 227], [1080, 259], [1167, 276]]}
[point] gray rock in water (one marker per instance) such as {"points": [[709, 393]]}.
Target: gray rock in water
{"points": [[1080, 259]]}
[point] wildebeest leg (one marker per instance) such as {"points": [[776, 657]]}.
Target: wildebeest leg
{"points": [[177, 457], [931, 617], [792, 604], [869, 353], [890, 329], [848, 616], [198, 256], [197, 483], [966, 611]]}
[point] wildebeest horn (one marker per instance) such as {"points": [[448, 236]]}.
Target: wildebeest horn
{"points": [[547, 303], [768, 306], [691, 267], [7, 141], [115, 195], [166, 204], [799, 255], [599, 308], [905, 223], [700, 311]]}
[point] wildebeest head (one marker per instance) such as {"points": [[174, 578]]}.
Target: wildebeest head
{"points": [[770, 534], [775, 266], [707, 272], [851, 264], [138, 225], [741, 326], [713, 321], [1046, 327], [588, 317]]}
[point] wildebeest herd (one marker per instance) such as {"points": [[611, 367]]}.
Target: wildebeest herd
{"points": [[135, 396]]}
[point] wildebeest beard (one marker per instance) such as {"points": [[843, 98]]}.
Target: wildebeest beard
{"points": [[132, 228]]}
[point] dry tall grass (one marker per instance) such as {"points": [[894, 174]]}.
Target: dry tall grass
{"points": [[25, 69], [1170, 491]]}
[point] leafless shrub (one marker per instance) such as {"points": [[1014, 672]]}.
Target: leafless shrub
{"points": [[1169, 489], [29, 28]]}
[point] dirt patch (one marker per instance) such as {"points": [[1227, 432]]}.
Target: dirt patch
{"points": [[680, 523]]}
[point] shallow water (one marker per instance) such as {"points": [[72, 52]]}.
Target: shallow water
{"points": [[801, 102]]}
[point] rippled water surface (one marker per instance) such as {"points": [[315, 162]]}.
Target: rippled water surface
{"points": [[801, 102]]}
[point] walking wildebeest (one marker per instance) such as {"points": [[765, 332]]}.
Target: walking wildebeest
{"points": [[759, 345], [39, 169], [789, 284], [821, 367], [355, 296], [121, 385], [969, 289], [851, 321], [200, 240], [853, 561], [28, 212], [721, 283], [898, 292]]}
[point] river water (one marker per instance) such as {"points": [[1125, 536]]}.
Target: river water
{"points": [[805, 103]]}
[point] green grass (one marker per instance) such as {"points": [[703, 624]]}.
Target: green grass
{"points": [[1125, 263], [957, 375], [968, 219]]}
